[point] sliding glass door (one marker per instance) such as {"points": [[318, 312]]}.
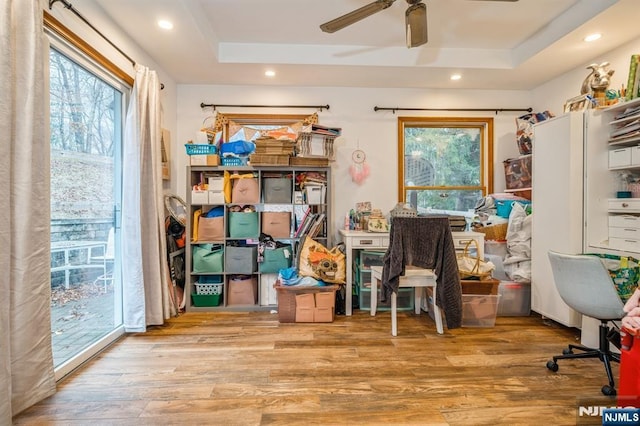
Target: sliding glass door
{"points": [[86, 120]]}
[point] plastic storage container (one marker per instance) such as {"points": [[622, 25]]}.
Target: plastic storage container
{"points": [[479, 310], [515, 299]]}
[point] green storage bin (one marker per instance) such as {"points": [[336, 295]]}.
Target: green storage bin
{"points": [[405, 300], [367, 259], [204, 300], [244, 225]]}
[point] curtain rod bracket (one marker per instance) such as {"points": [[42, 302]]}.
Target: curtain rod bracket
{"points": [[214, 106]]}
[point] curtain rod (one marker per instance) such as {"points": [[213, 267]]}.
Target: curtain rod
{"points": [[69, 6], [214, 106], [496, 110]]}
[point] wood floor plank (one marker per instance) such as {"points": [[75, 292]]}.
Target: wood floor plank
{"points": [[228, 368]]}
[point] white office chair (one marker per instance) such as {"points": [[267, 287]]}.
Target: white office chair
{"points": [[585, 285], [107, 259]]}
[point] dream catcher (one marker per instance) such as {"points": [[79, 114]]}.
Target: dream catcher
{"points": [[359, 169]]}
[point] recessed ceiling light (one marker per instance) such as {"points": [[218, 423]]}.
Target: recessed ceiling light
{"points": [[270, 73], [165, 25], [455, 77], [592, 37]]}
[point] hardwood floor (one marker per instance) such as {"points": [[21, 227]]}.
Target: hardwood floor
{"points": [[248, 369]]}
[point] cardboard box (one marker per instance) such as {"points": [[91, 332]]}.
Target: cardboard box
{"points": [[305, 300], [325, 300], [205, 160], [304, 314], [305, 307], [323, 314], [298, 304]]}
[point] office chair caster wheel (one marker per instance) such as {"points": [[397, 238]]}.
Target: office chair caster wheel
{"points": [[567, 351], [553, 366], [608, 390]]}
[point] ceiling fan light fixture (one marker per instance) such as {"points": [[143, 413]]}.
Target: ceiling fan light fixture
{"points": [[416, 24]]}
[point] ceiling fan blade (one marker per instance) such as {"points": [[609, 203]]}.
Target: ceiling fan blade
{"points": [[355, 16], [416, 25]]}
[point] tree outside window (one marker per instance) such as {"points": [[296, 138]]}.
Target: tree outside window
{"points": [[444, 164]]}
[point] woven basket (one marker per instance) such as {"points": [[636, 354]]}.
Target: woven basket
{"points": [[493, 232], [287, 299]]}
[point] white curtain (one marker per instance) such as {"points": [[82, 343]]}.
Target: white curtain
{"points": [[144, 269], [26, 359]]}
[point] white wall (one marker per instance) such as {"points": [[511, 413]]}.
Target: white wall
{"points": [[96, 16], [373, 132]]}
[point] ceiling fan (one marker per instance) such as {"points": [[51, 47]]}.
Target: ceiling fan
{"points": [[415, 19]]}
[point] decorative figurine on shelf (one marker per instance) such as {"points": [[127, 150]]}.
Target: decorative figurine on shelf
{"points": [[596, 83]]}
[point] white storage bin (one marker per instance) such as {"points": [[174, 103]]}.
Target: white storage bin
{"points": [[199, 197], [635, 156], [315, 194], [619, 157], [268, 293], [216, 197], [215, 183]]}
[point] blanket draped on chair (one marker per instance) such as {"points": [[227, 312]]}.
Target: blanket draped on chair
{"points": [[425, 242]]}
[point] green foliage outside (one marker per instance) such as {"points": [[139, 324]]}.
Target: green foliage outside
{"points": [[454, 153]]}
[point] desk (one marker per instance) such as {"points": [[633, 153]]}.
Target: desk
{"points": [[418, 278], [358, 240], [67, 247]]}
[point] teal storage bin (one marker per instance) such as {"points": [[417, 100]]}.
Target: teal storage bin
{"points": [[503, 207], [276, 259], [244, 225]]}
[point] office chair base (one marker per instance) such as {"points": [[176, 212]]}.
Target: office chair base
{"points": [[603, 353]]}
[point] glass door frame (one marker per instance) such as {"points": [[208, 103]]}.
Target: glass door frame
{"points": [[118, 331]]}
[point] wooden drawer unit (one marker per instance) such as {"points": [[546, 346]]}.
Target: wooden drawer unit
{"points": [[626, 244], [373, 241], [624, 233], [624, 205], [624, 221]]}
